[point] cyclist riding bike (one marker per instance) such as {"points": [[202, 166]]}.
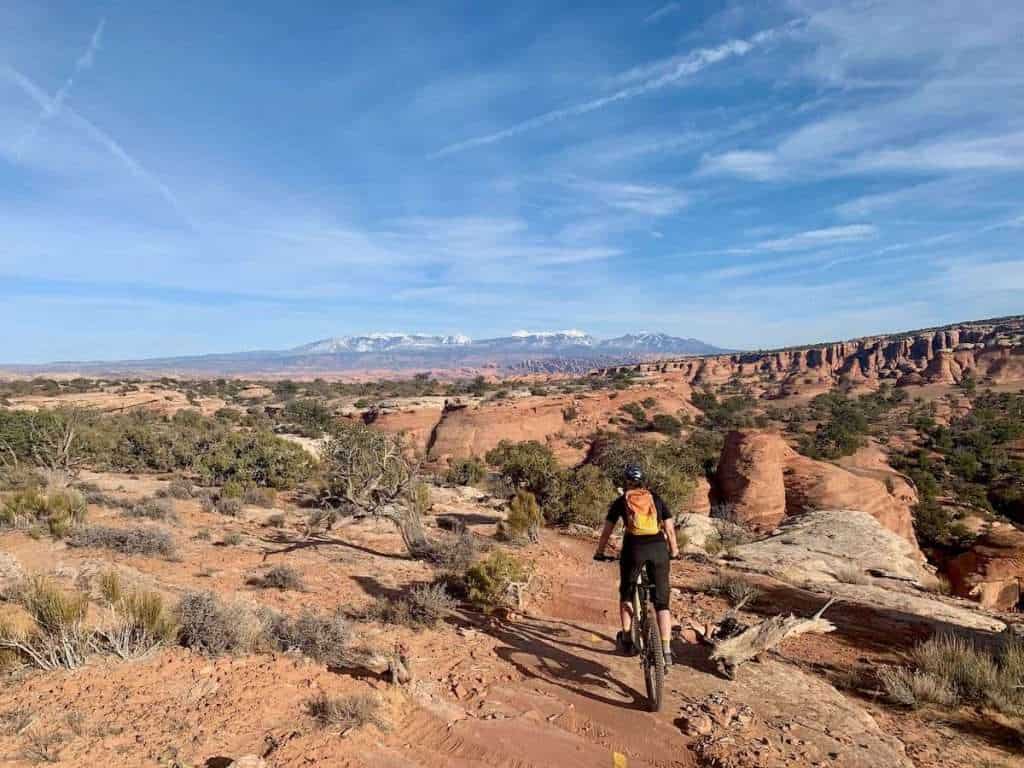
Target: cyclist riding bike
{"points": [[650, 541]]}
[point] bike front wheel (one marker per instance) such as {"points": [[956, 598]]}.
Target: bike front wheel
{"points": [[654, 664]]}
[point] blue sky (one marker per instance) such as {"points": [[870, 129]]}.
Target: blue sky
{"points": [[205, 177]]}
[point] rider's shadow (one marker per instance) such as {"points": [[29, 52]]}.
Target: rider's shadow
{"points": [[559, 666]]}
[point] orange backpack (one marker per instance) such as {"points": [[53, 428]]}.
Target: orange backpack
{"points": [[641, 513]]}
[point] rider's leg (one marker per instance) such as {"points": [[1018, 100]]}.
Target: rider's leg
{"points": [[660, 565], [626, 616]]}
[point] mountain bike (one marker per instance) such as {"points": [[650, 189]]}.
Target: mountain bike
{"points": [[645, 635]]}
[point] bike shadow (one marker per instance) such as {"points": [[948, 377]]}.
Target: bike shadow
{"points": [[551, 652]]}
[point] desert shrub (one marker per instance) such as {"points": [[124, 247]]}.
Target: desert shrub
{"points": [[154, 509], [42, 746], [914, 688], [648, 402], [58, 509], [261, 458], [212, 627], [280, 577], [524, 520], [368, 472], [420, 498], [276, 520], [232, 489], [666, 424], [425, 605], [228, 506], [455, 552], [735, 589], [491, 582], [588, 493], [311, 414], [529, 466], [137, 540], [347, 712], [468, 471], [636, 411], [179, 488], [259, 497], [326, 639], [232, 539], [670, 467], [58, 637], [570, 413], [19, 477]]}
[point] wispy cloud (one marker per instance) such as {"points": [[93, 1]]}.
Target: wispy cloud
{"points": [[670, 73], [98, 135], [816, 238], [662, 12], [750, 164], [54, 105], [643, 199]]}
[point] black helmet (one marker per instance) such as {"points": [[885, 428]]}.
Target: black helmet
{"points": [[633, 473]]}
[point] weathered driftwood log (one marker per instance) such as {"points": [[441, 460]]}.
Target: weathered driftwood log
{"points": [[745, 643]]}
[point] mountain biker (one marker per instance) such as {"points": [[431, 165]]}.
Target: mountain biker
{"points": [[650, 539]]}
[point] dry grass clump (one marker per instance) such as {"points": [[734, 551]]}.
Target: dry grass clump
{"points": [[228, 506], [276, 520], [212, 627], [327, 639], [141, 621], [232, 539], [178, 488], [58, 510], [154, 509], [455, 552], [42, 746], [346, 712], [137, 540], [733, 588], [951, 669], [279, 577], [425, 605], [851, 574], [58, 637], [914, 688], [259, 497]]}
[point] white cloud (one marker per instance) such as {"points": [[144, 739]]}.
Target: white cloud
{"points": [[662, 75], [760, 166], [662, 12], [995, 153], [816, 238]]}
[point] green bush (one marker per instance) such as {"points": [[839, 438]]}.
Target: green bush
{"points": [[666, 424], [529, 466], [588, 494], [670, 467], [489, 583], [636, 411], [468, 471], [524, 519], [311, 414]]}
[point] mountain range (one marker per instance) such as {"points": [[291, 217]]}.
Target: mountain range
{"points": [[523, 351]]}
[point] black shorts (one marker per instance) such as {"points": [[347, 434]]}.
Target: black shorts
{"points": [[652, 550]]}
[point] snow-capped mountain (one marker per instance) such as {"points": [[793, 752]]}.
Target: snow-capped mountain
{"points": [[378, 342], [522, 351]]}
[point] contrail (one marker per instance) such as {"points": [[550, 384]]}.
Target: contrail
{"points": [[97, 134], [684, 67], [54, 105]]}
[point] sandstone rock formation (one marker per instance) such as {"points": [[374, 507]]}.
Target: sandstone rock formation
{"points": [[761, 480], [749, 478], [848, 554], [992, 571], [993, 349]]}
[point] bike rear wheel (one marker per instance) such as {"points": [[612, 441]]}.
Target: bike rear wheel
{"points": [[654, 663]]}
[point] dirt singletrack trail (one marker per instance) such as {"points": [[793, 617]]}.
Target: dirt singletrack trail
{"points": [[571, 701]]}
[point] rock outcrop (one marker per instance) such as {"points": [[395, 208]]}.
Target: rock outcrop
{"points": [[749, 479], [760, 481], [992, 348], [992, 572]]}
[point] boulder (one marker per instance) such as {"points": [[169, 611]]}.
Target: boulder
{"points": [[991, 572], [761, 480], [749, 479]]}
